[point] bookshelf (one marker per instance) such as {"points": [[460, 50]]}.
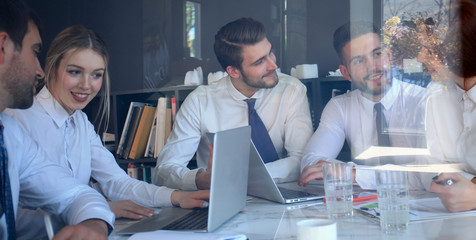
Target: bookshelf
{"points": [[121, 101]]}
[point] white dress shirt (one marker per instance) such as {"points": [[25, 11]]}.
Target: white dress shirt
{"points": [[468, 136], [71, 142], [38, 182], [351, 117], [284, 110], [451, 126], [444, 121]]}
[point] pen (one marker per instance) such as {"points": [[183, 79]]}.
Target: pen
{"points": [[365, 198], [49, 226], [369, 216], [448, 181]]}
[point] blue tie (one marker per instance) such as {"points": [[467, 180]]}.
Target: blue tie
{"points": [[260, 135], [6, 193]]}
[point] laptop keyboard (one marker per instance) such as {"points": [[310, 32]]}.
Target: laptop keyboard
{"points": [[289, 194], [198, 219]]}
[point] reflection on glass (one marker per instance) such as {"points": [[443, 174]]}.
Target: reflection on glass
{"points": [[192, 29]]}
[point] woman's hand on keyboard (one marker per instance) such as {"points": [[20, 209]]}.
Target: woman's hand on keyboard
{"points": [[129, 209]]}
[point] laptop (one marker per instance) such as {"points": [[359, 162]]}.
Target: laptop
{"points": [[261, 184], [229, 180]]}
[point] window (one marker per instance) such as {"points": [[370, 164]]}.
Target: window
{"points": [[192, 29]]}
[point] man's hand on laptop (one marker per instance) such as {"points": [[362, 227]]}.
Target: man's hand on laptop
{"points": [[315, 171], [203, 177], [311, 172], [190, 199]]}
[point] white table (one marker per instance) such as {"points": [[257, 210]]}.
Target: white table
{"points": [[262, 219]]}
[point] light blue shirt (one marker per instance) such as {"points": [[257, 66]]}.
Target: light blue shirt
{"points": [[38, 182], [71, 142]]}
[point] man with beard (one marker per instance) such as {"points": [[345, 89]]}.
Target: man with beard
{"points": [[381, 111], [26, 175], [280, 101]]}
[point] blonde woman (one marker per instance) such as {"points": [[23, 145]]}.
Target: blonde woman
{"points": [[76, 69]]}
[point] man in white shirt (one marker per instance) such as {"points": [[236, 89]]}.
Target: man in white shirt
{"points": [[246, 55], [353, 117], [30, 178]]}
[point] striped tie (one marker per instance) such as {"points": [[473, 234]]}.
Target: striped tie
{"points": [[260, 135], [6, 200]]}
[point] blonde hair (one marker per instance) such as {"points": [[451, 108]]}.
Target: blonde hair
{"points": [[78, 38]]}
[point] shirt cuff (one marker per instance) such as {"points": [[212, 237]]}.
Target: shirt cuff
{"points": [[468, 176], [317, 159], [107, 217], [188, 183], [166, 192]]}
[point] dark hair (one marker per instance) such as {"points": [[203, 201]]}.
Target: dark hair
{"points": [[14, 18], [349, 31], [231, 37], [460, 43]]}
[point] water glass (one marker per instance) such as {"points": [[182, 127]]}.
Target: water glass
{"points": [[338, 189], [392, 190]]}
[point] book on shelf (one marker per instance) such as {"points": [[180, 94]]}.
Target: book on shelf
{"points": [[162, 125], [149, 150], [173, 106], [142, 133], [136, 114], [160, 128], [125, 129], [145, 130], [108, 140], [168, 123]]}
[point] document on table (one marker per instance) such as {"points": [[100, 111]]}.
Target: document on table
{"points": [[420, 210], [428, 168], [377, 151], [172, 235]]}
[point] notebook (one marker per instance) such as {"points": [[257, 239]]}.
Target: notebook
{"points": [[231, 150], [261, 184]]}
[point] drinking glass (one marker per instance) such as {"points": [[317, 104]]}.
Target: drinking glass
{"points": [[392, 190], [338, 189]]}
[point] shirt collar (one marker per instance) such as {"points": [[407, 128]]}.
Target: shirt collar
{"points": [[388, 99], [471, 93], [237, 95], [52, 107], [392, 94]]}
